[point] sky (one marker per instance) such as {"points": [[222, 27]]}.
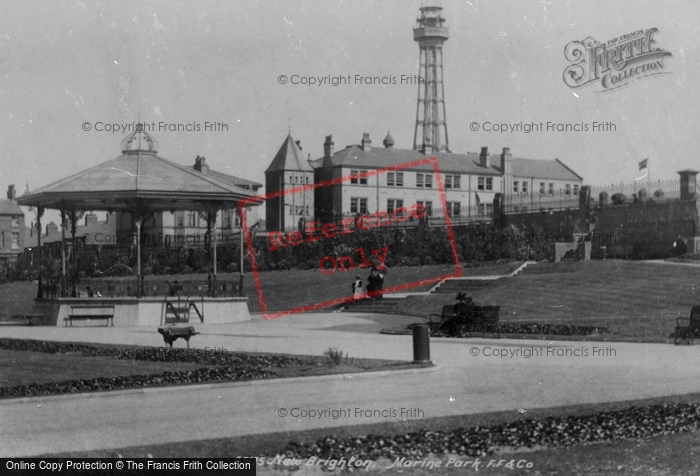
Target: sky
{"points": [[67, 63]]}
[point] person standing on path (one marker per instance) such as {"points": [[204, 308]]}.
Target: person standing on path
{"points": [[357, 288]]}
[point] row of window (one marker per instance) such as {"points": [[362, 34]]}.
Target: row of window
{"points": [[15, 240], [359, 205], [396, 179], [300, 180], [194, 220], [300, 210], [522, 187]]}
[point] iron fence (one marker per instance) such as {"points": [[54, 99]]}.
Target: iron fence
{"points": [[657, 191], [540, 202], [150, 288]]}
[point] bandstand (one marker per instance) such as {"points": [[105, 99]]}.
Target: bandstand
{"points": [[142, 184]]}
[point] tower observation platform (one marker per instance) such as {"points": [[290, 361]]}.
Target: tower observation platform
{"points": [[431, 127]]}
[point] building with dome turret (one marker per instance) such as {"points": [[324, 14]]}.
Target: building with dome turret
{"points": [[471, 182], [287, 171]]}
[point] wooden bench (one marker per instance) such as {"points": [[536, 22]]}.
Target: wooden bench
{"points": [[436, 321], [483, 319], [171, 334], [32, 317], [85, 312], [688, 328]]}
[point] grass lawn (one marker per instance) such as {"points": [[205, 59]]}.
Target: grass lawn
{"points": [[282, 290], [635, 299], [17, 298], [312, 287], [24, 368], [672, 455]]}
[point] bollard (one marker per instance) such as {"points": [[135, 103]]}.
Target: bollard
{"points": [[421, 343]]}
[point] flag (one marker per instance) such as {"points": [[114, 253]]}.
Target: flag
{"points": [[478, 201], [643, 164]]}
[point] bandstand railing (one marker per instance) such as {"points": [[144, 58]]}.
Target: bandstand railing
{"points": [[149, 288]]}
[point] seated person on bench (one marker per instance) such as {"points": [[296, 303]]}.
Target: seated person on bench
{"points": [[464, 306]]}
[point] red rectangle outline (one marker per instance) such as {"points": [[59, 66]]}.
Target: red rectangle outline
{"points": [[311, 307]]}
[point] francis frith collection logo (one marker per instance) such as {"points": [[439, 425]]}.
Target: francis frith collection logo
{"points": [[616, 63]]}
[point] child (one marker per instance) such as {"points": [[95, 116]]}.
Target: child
{"points": [[357, 287]]}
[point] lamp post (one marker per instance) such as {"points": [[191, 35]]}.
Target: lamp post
{"points": [[242, 269], [39, 213]]}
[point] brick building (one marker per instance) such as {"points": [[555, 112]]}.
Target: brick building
{"points": [[11, 229], [471, 182]]}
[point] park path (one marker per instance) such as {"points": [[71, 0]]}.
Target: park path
{"points": [[468, 379]]}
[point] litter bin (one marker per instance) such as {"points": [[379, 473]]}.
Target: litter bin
{"points": [[421, 343]]}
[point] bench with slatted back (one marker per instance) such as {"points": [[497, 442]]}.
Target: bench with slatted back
{"points": [[484, 319], [89, 312], [688, 328]]}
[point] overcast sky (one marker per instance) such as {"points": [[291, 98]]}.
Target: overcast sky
{"points": [[66, 63]]}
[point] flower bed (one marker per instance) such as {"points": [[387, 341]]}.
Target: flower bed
{"points": [[553, 432]]}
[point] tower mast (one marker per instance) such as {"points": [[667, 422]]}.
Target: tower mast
{"points": [[431, 127]]}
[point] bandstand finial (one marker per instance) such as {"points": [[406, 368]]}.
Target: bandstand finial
{"points": [[138, 139]]}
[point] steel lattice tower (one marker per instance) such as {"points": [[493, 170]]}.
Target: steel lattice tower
{"points": [[431, 126]]}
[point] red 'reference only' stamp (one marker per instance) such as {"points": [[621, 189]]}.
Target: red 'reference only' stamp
{"points": [[314, 233]]}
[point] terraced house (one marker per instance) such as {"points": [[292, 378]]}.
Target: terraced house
{"points": [[11, 229]]}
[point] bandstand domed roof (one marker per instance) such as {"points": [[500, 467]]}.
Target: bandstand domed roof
{"points": [[140, 176]]}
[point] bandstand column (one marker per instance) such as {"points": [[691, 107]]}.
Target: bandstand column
{"points": [[73, 224], [213, 243], [242, 270], [138, 257], [63, 250], [40, 289]]}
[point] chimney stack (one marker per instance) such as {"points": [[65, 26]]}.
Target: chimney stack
{"points": [[11, 193], [484, 157], [51, 228], [90, 218], [366, 142], [507, 171], [328, 148], [200, 165]]}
